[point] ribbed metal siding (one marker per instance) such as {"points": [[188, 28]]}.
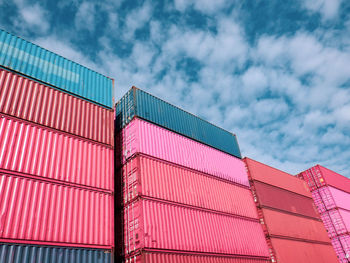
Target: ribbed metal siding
{"points": [[35, 150], [32, 101], [34, 210], [140, 136], [160, 225], [163, 257], [145, 176], [139, 103], [45, 254], [31, 60]]}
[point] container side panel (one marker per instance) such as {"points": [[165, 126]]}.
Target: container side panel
{"points": [[143, 137], [334, 179]]}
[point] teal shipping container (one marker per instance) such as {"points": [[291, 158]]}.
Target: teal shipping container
{"points": [[40, 64], [137, 103], [10, 253]]}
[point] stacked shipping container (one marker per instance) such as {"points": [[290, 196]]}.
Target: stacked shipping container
{"points": [[331, 193], [185, 197], [293, 229], [56, 158]]}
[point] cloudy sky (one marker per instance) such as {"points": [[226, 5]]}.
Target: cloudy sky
{"points": [[276, 73]]}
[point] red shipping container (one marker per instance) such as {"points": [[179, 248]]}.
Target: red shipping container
{"points": [[40, 212], [291, 251], [161, 225], [269, 175], [162, 257], [33, 101], [322, 176], [36, 150], [318, 201], [282, 224], [274, 197], [140, 136], [146, 176]]}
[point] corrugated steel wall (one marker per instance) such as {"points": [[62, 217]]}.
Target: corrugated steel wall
{"points": [[32, 101], [139, 103], [143, 137], [15, 253], [164, 225], [40, 151], [31, 60], [34, 210], [146, 176]]}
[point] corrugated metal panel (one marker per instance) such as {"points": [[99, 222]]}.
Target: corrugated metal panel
{"points": [[318, 201], [147, 176], [162, 257], [160, 225], [328, 225], [309, 179], [35, 150], [10, 253], [342, 249], [31, 60], [290, 251], [345, 242], [271, 196], [267, 174], [282, 224], [32, 101], [333, 198], [34, 210], [340, 220], [143, 137], [139, 103]]}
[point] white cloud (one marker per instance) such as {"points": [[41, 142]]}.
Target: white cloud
{"points": [[254, 82], [85, 16], [136, 19], [327, 8], [32, 17], [204, 6]]}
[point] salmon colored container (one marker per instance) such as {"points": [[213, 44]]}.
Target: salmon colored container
{"points": [[291, 251], [35, 150], [282, 224], [162, 257], [269, 175], [319, 176], [35, 102], [277, 198], [39, 212], [146, 176], [332, 198], [140, 136], [161, 225]]}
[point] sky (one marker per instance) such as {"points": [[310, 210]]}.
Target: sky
{"points": [[275, 73]]}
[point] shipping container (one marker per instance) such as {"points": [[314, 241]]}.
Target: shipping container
{"points": [[319, 176], [38, 63], [143, 137], [328, 225], [34, 211], [143, 105], [292, 251], [318, 201], [340, 219], [165, 256], [278, 198], [332, 198], [287, 225], [165, 225], [35, 150], [16, 253], [269, 175], [146, 176], [35, 102], [342, 251]]}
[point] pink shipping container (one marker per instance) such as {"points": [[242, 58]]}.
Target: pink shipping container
{"points": [[318, 201], [277, 198], [33, 101], [269, 175], [341, 246], [340, 220], [161, 225], [332, 198], [162, 257], [40, 212], [291, 251], [319, 176], [143, 137], [39, 151], [146, 176]]}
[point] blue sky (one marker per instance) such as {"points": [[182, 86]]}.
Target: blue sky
{"points": [[276, 73]]}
